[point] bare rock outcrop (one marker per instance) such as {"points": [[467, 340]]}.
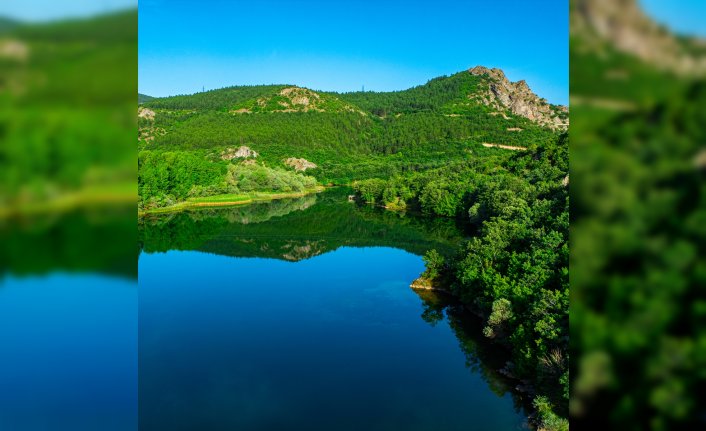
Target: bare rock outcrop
{"points": [[147, 132], [300, 164], [518, 98], [12, 49], [241, 153], [145, 113]]}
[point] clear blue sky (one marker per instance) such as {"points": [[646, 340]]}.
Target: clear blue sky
{"points": [[334, 45], [46, 10], [682, 16]]}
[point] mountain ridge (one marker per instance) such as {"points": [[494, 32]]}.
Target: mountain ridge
{"points": [[142, 98], [454, 95], [7, 24]]}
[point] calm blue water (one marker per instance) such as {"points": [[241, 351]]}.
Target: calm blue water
{"points": [[333, 342], [68, 359]]}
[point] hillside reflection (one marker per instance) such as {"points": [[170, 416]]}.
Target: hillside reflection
{"points": [[294, 229]]}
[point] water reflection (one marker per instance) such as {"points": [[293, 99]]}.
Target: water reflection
{"points": [[98, 240], [68, 321], [482, 357], [294, 229], [302, 318]]}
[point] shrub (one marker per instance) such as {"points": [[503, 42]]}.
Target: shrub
{"points": [[546, 418]]}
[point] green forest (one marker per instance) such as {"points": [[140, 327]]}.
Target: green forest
{"points": [[348, 136], [64, 128], [637, 234]]}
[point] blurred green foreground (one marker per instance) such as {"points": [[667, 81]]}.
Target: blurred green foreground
{"points": [[638, 228], [67, 136]]}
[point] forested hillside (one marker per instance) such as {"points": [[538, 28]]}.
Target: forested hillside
{"points": [[142, 98], [65, 129], [340, 137], [7, 24]]}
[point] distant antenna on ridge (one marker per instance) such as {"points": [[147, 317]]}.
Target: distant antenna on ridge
{"points": [[363, 88]]}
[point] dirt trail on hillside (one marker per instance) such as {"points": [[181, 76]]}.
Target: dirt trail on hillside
{"points": [[504, 147]]}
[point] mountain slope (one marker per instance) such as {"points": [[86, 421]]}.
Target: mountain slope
{"points": [[68, 91], [295, 99], [622, 25], [7, 24], [349, 136], [142, 98], [256, 98], [461, 94], [433, 96], [621, 59]]}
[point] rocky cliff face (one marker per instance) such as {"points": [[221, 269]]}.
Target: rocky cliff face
{"points": [[518, 98]]}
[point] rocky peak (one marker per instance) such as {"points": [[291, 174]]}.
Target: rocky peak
{"points": [[518, 98], [626, 27], [522, 86], [494, 73]]}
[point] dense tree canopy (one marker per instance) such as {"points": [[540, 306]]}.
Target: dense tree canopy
{"points": [[351, 136]]}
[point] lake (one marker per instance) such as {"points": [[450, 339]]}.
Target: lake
{"points": [[68, 322], [298, 315]]}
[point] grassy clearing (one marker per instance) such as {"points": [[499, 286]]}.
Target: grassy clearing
{"points": [[222, 198], [228, 200], [101, 195]]}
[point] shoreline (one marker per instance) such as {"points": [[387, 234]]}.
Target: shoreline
{"points": [[92, 197], [247, 199]]}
